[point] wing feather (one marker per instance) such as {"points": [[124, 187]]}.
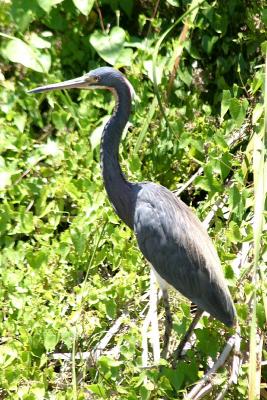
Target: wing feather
{"points": [[175, 242]]}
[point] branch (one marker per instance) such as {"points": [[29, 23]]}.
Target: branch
{"points": [[181, 40], [195, 392], [93, 356], [152, 319], [236, 366]]}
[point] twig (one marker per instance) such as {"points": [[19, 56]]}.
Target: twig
{"points": [[241, 259], [219, 363], [259, 358], [180, 48], [100, 16], [108, 336], [188, 183], [204, 391], [154, 319], [152, 17], [209, 217], [237, 361], [236, 365], [27, 171], [92, 356], [151, 315]]}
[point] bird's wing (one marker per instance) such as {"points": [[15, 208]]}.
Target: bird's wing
{"points": [[174, 241]]}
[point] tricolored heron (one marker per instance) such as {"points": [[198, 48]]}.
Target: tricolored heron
{"points": [[169, 235]]}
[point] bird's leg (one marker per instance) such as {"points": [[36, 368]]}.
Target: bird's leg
{"points": [[168, 323], [178, 352]]}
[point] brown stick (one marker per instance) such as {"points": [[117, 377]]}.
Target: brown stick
{"points": [[182, 38], [152, 17]]}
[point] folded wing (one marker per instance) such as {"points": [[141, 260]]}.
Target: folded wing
{"points": [[174, 241]]}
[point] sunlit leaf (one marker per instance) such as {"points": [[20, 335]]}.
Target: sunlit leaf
{"points": [[84, 6], [225, 102], [110, 46], [38, 42], [5, 179], [50, 340], [238, 109], [257, 113], [97, 389], [18, 51], [174, 3], [47, 5]]}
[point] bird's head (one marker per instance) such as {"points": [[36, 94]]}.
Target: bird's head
{"points": [[100, 78]]}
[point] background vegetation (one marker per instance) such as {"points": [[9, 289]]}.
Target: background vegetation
{"points": [[69, 267]]}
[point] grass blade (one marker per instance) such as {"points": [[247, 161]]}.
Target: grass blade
{"points": [[259, 168]]}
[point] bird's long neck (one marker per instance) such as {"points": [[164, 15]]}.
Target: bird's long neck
{"points": [[119, 190]]}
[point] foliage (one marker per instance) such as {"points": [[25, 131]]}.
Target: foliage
{"points": [[69, 267]]}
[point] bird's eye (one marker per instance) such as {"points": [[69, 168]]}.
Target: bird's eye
{"points": [[92, 79]]}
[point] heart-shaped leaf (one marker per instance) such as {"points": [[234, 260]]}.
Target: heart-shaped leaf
{"points": [[110, 47], [84, 6]]}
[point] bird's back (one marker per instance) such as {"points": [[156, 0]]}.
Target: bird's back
{"points": [[176, 244]]}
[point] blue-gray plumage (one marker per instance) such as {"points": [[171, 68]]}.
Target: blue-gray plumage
{"points": [[169, 235]]}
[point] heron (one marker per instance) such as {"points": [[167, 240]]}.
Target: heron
{"points": [[168, 233]]}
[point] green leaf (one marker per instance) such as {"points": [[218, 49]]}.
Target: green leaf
{"points": [[264, 16], [19, 52], [47, 5], [220, 22], [5, 179], [174, 3], [111, 308], [25, 222], [79, 241], [225, 165], [127, 6], [110, 47], [17, 301], [257, 112], [238, 109], [97, 389], [209, 182], [38, 42], [50, 340], [84, 6], [38, 259], [208, 43], [225, 103], [148, 66], [95, 136], [38, 391], [20, 121], [175, 379], [185, 76], [233, 233], [257, 82], [234, 198]]}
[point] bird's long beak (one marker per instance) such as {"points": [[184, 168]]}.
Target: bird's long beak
{"points": [[78, 83]]}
